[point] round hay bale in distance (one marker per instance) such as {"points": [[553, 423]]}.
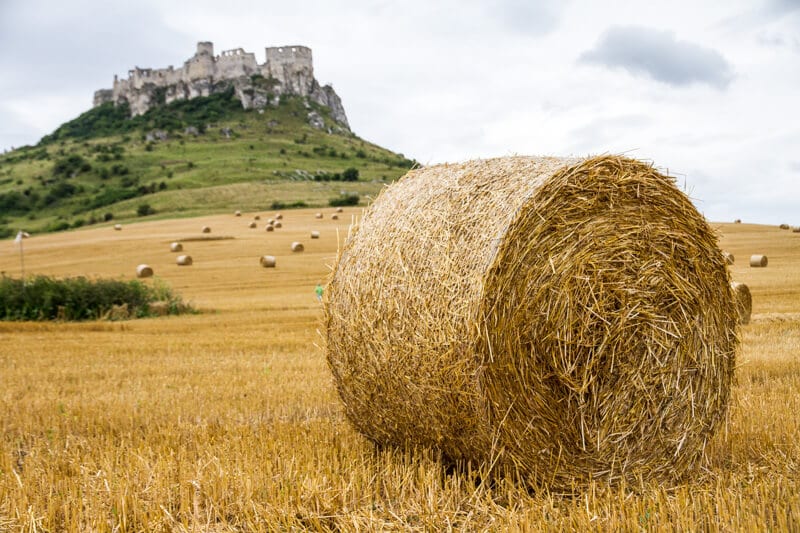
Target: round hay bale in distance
{"points": [[206, 229], [318, 215], [758, 261], [334, 217], [796, 229], [118, 227], [339, 209], [315, 235], [737, 221], [278, 216], [253, 224], [729, 258], [784, 226], [257, 217], [297, 246], [144, 271], [278, 224], [176, 247], [267, 261], [184, 260], [744, 301], [512, 334], [269, 227], [237, 213]]}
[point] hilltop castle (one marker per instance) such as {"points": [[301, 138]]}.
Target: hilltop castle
{"points": [[288, 70]]}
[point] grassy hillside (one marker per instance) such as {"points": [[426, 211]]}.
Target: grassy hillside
{"points": [[207, 155]]}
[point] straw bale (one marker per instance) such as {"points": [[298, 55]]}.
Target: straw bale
{"points": [[176, 247], [315, 235], [278, 216], [318, 215], [334, 217], [796, 229], [269, 227], [237, 214], [297, 246], [744, 301], [257, 217], [117, 227], [144, 271], [184, 260], [278, 224], [339, 209], [758, 260], [729, 258], [566, 319], [784, 226], [253, 224], [267, 261], [206, 229], [737, 221]]}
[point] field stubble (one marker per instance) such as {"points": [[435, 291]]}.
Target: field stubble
{"points": [[228, 420]]}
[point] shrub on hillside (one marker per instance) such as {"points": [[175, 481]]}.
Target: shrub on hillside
{"points": [[344, 200], [46, 298]]}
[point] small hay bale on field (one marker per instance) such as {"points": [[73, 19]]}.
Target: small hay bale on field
{"points": [[744, 301], [315, 235], [269, 227], [483, 309], [144, 271], [253, 224], [784, 226], [729, 258], [176, 247], [737, 221], [758, 260], [318, 215], [267, 261], [271, 221], [796, 229], [237, 214], [278, 224], [339, 209], [257, 217], [297, 246], [334, 217], [184, 260], [206, 229], [278, 216], [118, 227]]}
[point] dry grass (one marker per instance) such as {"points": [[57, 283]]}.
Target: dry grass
{"points": [[228, 420]]}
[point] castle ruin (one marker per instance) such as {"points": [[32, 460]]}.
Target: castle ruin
{"points": [[288, 70]]}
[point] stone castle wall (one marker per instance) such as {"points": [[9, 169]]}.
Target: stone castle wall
{"points": [[289, 70]]}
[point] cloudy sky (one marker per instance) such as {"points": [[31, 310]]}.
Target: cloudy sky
{"points": [[709, 91]]}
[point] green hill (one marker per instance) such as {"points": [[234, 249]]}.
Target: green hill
{"points": [[187, 158]]}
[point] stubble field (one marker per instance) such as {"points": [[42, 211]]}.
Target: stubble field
{"points": [[228, 420]]}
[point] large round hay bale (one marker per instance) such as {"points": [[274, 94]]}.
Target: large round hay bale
{"points": [[737, 221], [315, 235], [184, 260], [267, 261], [744, 301], [144, 271], [575, 322], [796, 229], [257, 217], [118, 227], [269, 227], [334, 217], [278, 224], [176, 247], [297, 247], [278, 216], [758, 260], [206, 229], [729, 258], [784, 226], [237, 213], [318, 215], [253, 224], [271, 221], [339, 209]]}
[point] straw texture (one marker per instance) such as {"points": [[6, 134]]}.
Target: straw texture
{"points": [[744, 301], [568, 319]]}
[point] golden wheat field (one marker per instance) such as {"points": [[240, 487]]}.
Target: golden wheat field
{"points": [[227, 420]]}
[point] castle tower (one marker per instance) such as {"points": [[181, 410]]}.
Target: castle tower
{"points": [[205, 48], [292, 66]]}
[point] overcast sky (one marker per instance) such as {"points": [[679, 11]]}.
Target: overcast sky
{"points": [[709, 91]]}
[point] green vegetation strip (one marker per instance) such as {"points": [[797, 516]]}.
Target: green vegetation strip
{"points": [[80, 298]]}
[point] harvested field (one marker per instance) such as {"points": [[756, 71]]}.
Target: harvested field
{"points": [[228, 420]]}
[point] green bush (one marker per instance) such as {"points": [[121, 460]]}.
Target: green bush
{"points": [[46, 298], [144, 209], [345, 200]]}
